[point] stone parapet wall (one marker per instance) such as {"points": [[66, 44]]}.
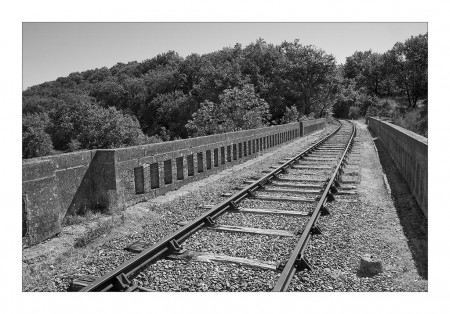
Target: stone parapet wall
{"points": [[111, 179], [410, 154], [151, 170], [310, 126], [54, 186]]}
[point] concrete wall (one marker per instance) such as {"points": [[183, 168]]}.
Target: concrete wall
{"points": [[310, 126], [150, 170], [41, 207], [112, 179], [410, 153], [55, 186]]}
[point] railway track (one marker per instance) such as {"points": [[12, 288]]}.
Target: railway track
{"points": [[281, 210]]}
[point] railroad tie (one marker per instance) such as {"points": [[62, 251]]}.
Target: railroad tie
{"points": [[301, 180], [220, 258], [318, 159], [169, 247], [265, 211], [265, 197], [297, 185], [293, 191], [273, 232], [307, 167]]}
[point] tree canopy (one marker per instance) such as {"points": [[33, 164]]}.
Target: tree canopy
{"points": [[239, 108], [169, 97]]}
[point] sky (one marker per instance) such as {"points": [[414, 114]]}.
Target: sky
{"points": [[52, 50]]}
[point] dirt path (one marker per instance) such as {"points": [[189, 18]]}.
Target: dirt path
{"points": [[398, 220], [377, 224]]}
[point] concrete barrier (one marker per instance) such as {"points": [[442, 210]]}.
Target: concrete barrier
{"points": [[310, 126], [150, 170], [41, 207], [410, 154], [55, 186]]}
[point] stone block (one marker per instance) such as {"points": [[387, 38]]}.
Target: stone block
{"points": [[369, 266]]}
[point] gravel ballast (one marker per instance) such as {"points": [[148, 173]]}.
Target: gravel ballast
{"points": [[373, 225], [261, 221], [253, 246], [365, 224], [52, 267], [174, 275]]}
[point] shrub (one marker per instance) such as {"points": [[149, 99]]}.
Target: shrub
{"points": [[35, 141], [409, 121], [354, 112], [78, 123], [240, 108], [291, 114]]}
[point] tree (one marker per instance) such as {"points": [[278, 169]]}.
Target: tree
{"points": [[308, 75], [163, 80], [220, 70], [67, 119], [135, 93], [79, 123], [290, 115], [240, 108], [35, 141], [108, 128], [109, 93], [352, 96], [408, 63], [171, 111], [354, 112], [260, 65], [366, 69]]}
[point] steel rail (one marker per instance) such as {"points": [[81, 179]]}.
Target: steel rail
{"points": [[297, 258], [114, 279]]}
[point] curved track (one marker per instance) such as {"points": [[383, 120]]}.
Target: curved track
{"points": [[293, 194]]}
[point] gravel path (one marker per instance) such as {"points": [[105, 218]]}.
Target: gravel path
{"points": [[373, 225]]}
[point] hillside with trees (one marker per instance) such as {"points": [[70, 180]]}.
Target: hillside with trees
{"points": [[392, 85], [170, 97]]}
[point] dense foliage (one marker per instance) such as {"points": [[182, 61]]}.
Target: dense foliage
{"points": [[238, 109], [393, 84], [170, 97]]}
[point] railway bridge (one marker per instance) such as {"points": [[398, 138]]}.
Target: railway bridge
{"points": [[280, 209]]}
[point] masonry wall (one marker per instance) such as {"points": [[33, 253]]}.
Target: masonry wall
{"points": [[150, 170], [112, 179], [410, 154], [310, 126], [55, 186]]}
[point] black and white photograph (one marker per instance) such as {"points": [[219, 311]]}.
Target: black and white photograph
{"points": [[216, 160]]}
